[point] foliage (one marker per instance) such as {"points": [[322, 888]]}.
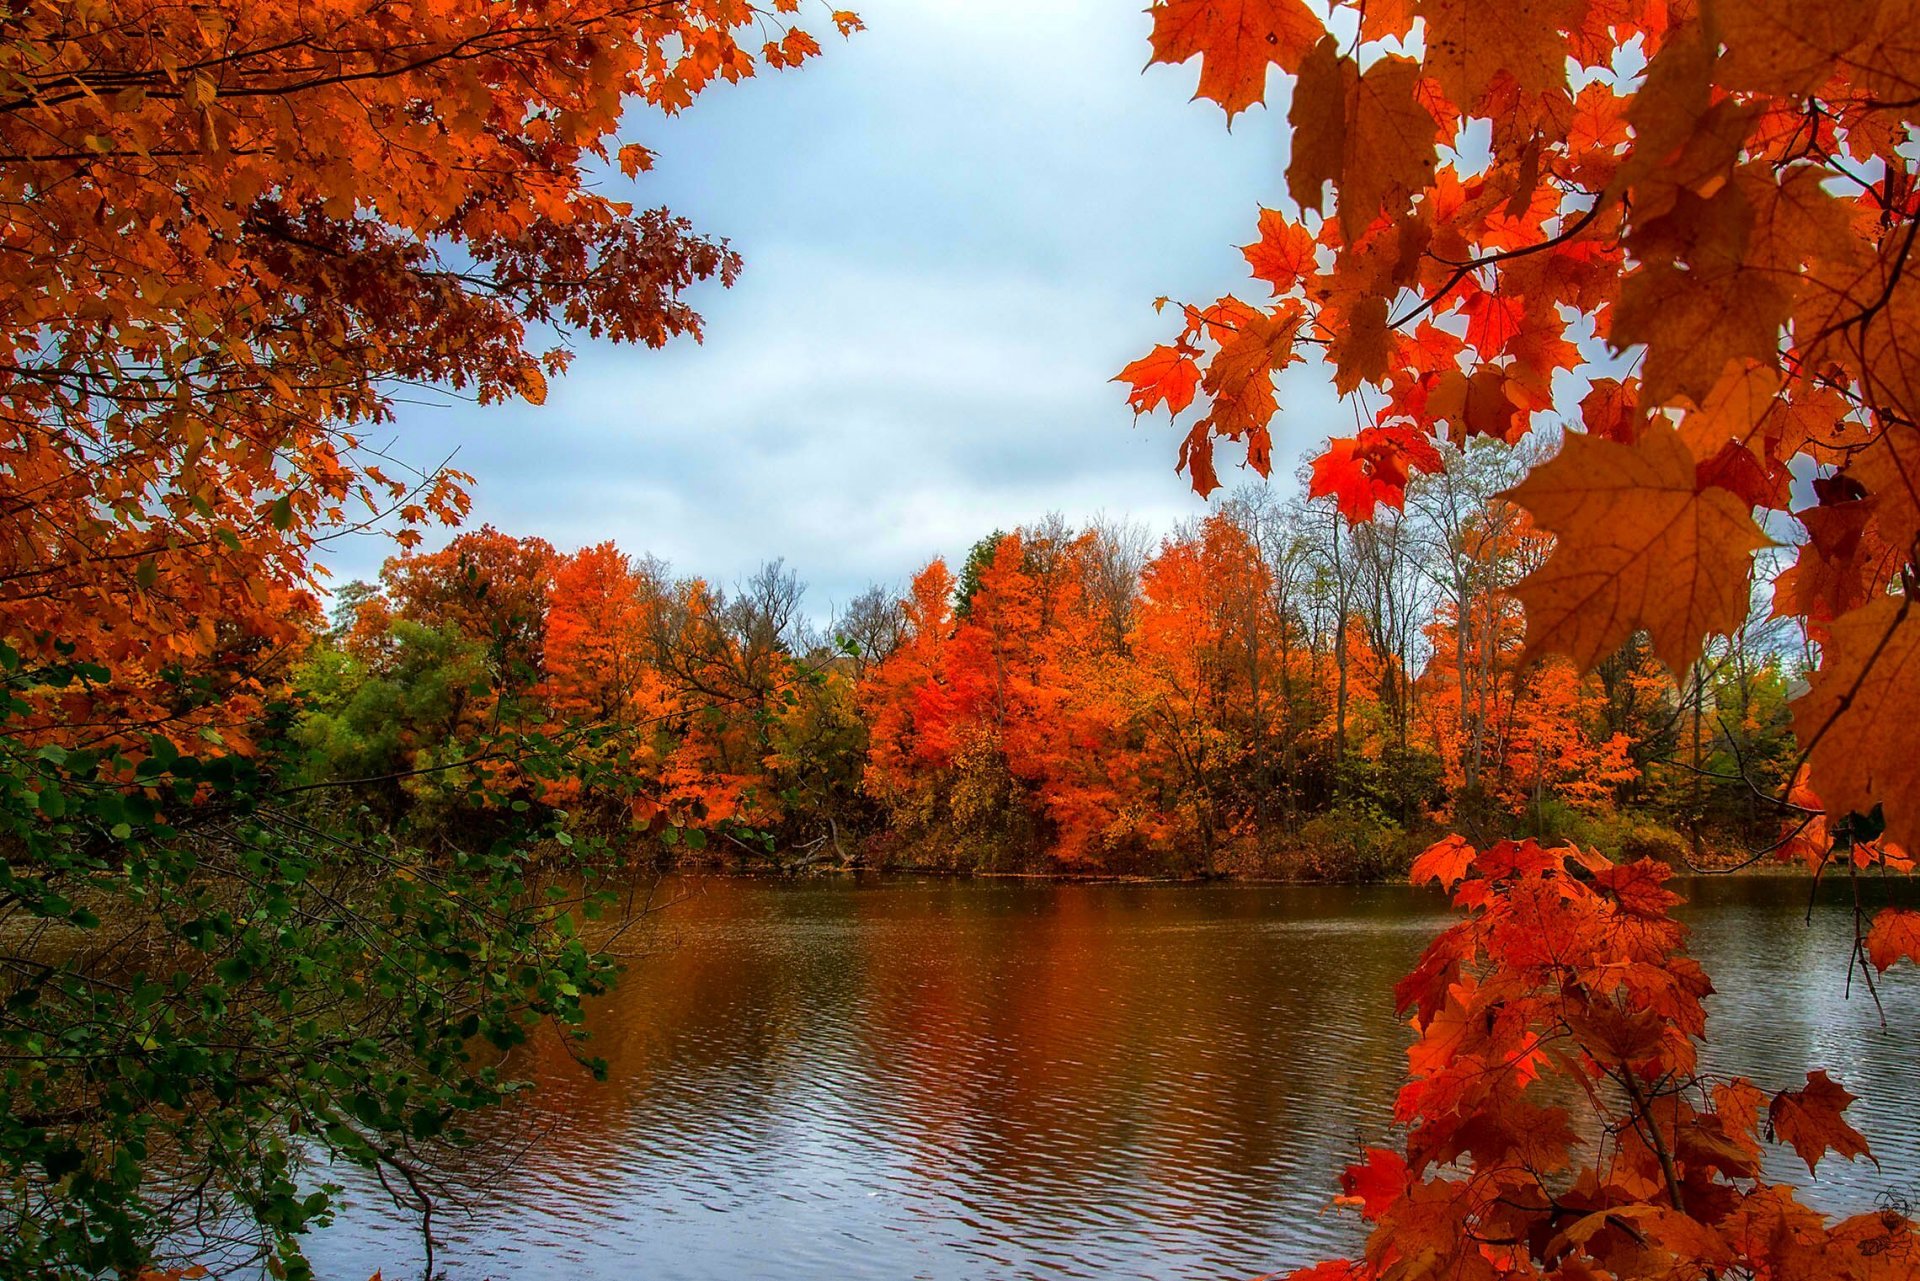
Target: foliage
{"points": [[1717, 193], [1559, 1121], [1722, 194], [1275, 665], [236, 229], [236, 232], [214, 975]]}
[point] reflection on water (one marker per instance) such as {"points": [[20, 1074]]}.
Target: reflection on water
{"points": [[902, 1078]]}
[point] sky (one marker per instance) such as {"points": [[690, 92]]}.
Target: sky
{"points": [[954, 226]]}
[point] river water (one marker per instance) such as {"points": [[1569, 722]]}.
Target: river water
{"points": [[901, 1078]]}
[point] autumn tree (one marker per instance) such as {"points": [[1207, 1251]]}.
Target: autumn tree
{"points": [[1716, 194], [1201, 646], [236, 229], [235, 233], [1698, 220]]}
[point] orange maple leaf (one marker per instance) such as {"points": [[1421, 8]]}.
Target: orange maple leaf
{"points": [[1856, 718], [1283, 256], [1810, 1120], [1236, 41], [1164, 376], [1446, 861], [1895, 934], [1639, 548]]}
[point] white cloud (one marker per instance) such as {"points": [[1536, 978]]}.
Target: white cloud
{"points": [[954, 225]]}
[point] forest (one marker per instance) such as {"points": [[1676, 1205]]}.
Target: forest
{"points": [[1270, 690], [303, 883]]}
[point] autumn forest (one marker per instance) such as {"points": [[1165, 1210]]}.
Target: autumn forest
{"points": [[1321, 875], [1269, 691]]}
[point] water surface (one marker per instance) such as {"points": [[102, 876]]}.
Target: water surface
{"points": [[902, 1078]]}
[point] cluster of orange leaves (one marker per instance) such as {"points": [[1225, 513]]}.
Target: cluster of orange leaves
{"points": [[1155, 719], [1699, 212], [1694, 217], [1560, 1123], [233, 230]]}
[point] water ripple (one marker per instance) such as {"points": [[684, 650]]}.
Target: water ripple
{"points": [[938, 1080]]}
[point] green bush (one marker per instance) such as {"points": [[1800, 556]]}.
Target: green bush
{"points": [[1356, 841], [1618, 834]]}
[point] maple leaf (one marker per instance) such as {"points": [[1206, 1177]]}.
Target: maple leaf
{"points": [[1373, 468], [1895, 935], [1370, 134], [1638, 548], [1164, 376], [1318, 114], [1735, 410], [1361, 348], [1843, 564], [1389, 144], [1236, 41], [1737, 471], [1856, 718], [1283, 256], [1888, 468], [1492, 321], [1387, 19], [1196, 458], [1376, 1183], [1240, 376], [1867, 319], [1488, 407], [1809, 1119], [1611, 410], [1785, 49], [1472, 48], [1446, 861], [1694, 322]]}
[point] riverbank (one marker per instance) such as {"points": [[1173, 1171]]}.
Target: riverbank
{"points": [[1326, 850]]}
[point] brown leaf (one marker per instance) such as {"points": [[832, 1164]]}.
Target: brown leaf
{"points": [[1888, 468], [1359, 348], [1390, 145], [1473, 47], [1843, 564], [1810, 1120], [1638, 548], [1318, 115], [1856, 719], [1694, 322]]}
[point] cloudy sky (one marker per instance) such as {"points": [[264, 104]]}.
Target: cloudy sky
{"points": [[954, 225]]}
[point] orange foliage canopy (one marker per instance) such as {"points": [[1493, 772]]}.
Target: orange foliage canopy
{"points": [[233, 229], [1714, 191], [1567, 988], [1527, 197]]}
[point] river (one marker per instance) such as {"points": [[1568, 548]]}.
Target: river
{"points": [[904, 1078]]}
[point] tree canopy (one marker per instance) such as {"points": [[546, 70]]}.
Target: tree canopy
{"points": [[1697, 220]]}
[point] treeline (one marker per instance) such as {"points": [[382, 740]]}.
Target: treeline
{"points": [[1267, 690]]}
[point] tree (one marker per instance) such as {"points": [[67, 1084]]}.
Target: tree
{"points": [[235, 233], [1720, 192], [1737, 220], [1199, 653], [488, 586], [235, 230]]}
